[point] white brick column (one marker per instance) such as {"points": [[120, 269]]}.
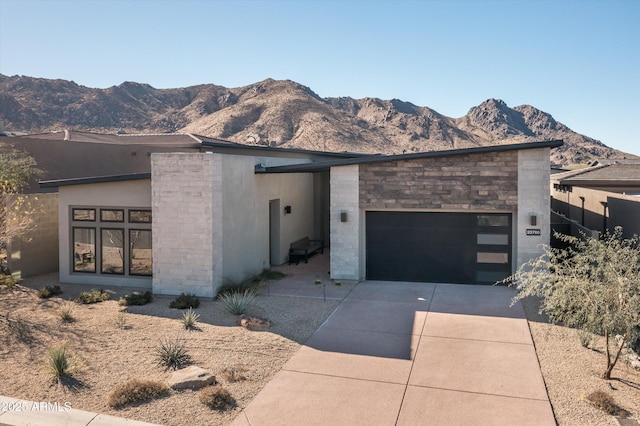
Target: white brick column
{"points": [[533, 197], [345, 236], [186, 191]]}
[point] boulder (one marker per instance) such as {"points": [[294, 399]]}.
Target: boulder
{"points": [[252, 323], [192, 377]]}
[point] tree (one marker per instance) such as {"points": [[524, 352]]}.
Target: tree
{"points": [[593, 285], [16, 210]]}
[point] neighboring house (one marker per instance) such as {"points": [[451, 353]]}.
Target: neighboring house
{"points": [[600, 197], [228, 211]]}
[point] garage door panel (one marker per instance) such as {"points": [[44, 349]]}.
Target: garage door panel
{"points": [[437, 247]]}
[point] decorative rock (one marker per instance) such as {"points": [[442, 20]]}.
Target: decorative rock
{"points": [[252, 323], [192, 377]]}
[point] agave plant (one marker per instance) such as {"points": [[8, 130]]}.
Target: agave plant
{"points": [[238, 303], [189, 319]]}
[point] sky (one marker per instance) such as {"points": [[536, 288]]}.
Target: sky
{"points": [[578, 60]]}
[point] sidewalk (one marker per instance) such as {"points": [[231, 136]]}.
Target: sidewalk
{"points": [[18, 412]]}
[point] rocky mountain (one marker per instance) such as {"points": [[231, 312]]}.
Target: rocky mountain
{"points": [[281, 113]]}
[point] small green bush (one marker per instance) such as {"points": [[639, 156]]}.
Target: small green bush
{"points": [[585, 338], [65, 312], [136, 298], [172, 354], [185, 301], [7, 280], [317, 281], [93, 296], [47, 292], [135, 391], [189, 319], [121, 320], [59, 361], [604, 402], [216, 397], [238, 303]]}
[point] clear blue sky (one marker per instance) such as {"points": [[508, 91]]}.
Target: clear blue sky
{"points": [[577, 60]]}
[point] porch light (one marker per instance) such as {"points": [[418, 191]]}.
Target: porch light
{"points": [[343, 216], [533, 218]]}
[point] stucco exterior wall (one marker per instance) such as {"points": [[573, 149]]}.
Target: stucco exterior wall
{"points": [[127, 194], [211, 219], [36, 252], [347, 248], [245, 215], [533, 187], [187, 225]]}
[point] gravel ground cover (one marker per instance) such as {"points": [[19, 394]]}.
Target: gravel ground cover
{"points": [[112, 344], [107, 354]]}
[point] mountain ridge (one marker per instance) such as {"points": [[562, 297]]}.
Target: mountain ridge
{"points": [[282, 113]]}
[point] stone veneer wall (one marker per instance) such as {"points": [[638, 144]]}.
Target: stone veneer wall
{"points": [[187, 224], [487, 181]]}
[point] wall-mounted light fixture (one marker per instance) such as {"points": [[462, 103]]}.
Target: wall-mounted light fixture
{"points": [[343, 216], [287, 209], [533, 218]]}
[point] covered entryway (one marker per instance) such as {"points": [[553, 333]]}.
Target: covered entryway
{"points": [[438, 247]]}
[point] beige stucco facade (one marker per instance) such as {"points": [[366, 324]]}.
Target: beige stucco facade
{"points": [[135, 194]]}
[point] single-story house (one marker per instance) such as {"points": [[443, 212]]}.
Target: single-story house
{"points": [[599, 197], [198, 219]]}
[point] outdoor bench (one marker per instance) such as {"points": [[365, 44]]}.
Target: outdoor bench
{"points": [[303, 249]]}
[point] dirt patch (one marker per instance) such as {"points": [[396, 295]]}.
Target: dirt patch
{"points": [[111, 348], [571, 372]]}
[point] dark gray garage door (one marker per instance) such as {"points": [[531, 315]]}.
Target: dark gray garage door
{"points": [[466, 248]]}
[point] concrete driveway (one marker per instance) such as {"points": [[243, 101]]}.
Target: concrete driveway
{"points": [[411, 354]]}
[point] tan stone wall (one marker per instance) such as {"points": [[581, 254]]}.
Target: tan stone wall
{"points": [[462, 182]]}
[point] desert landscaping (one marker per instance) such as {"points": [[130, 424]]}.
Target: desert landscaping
{"points": [[112, 344]]}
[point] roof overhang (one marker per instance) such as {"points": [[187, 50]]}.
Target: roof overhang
{"points": [[323, 166], [95, 179]]}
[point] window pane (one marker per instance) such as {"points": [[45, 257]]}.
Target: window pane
{"points": [[493, 220], [111, 215], [84, 214], [140, 252], [493, 239], [140, 216], [84, 250], [493, 257], [112, 251]]}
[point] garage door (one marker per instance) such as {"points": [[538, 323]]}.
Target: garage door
{"points": [[466, 248]]}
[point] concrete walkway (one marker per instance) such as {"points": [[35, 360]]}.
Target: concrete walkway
{"points": [[411, 354], [19, 412]]}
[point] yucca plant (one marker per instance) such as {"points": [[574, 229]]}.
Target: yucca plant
{"points": [[189, 319], [59, 361], [238, 303], [172, 354]]}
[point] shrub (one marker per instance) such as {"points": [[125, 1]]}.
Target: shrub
{"points": [[121, 320], [252, 283], [185, 301], [65, 312], [238, 303], [136, 391], [172, 354], [604, 402], [234, 374], [59, 361], [136, 298], [93, 296], [216, 397], [189, 319], [317, 281], [7, 280], [47, 292], [585, 338]]}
